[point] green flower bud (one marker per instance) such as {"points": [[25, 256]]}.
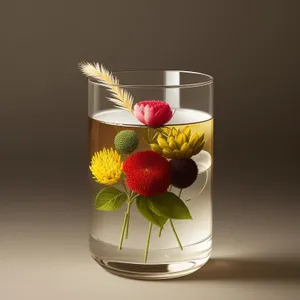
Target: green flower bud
{"points": [[126, 141]]}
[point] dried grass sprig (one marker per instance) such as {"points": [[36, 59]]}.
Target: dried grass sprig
{"points": [[120, 97]]}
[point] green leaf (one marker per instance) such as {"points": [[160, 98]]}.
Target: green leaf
{"points": [[141, 203], [169, 205], [109, 199]]}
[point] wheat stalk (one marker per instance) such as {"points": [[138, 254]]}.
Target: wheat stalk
{"points": [[120, 97]]}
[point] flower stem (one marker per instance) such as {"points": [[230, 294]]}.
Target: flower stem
{"points": [[180, 193], [134, 197], [124, 225], [176, 235], [128, 218], [125, 188], [148, 136], [160, 231], [162, 132], [148, 242]]}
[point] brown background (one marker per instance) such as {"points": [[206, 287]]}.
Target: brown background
{"points": [[252, 50]]}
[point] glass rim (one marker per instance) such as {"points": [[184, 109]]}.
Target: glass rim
{"points": [[209, 80]]}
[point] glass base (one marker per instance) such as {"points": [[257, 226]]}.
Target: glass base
{"points": [[152, 271], [162, 263]]}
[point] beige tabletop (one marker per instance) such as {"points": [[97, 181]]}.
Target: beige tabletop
{"points": [[44, 249]]}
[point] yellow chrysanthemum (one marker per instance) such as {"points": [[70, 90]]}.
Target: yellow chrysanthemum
{"points": [[176, 143], [106, 166]]}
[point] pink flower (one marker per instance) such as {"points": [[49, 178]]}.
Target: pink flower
{"points": [[153, 113]]}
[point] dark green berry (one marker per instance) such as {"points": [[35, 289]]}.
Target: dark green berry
{"points": [[126, 141]]}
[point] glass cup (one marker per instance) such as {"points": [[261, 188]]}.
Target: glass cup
{"points": [[151, 173]]}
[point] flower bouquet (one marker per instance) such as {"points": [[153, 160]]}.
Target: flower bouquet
{"points": [[147, 176]]}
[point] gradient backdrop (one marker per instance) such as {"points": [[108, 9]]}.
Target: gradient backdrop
{"points": [[252, 50]]}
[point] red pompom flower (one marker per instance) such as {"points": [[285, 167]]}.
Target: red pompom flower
{"points": [[153, 113], [147, 173]]}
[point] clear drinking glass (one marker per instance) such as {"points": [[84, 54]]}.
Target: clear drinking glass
{"points": [[165, 234]]}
